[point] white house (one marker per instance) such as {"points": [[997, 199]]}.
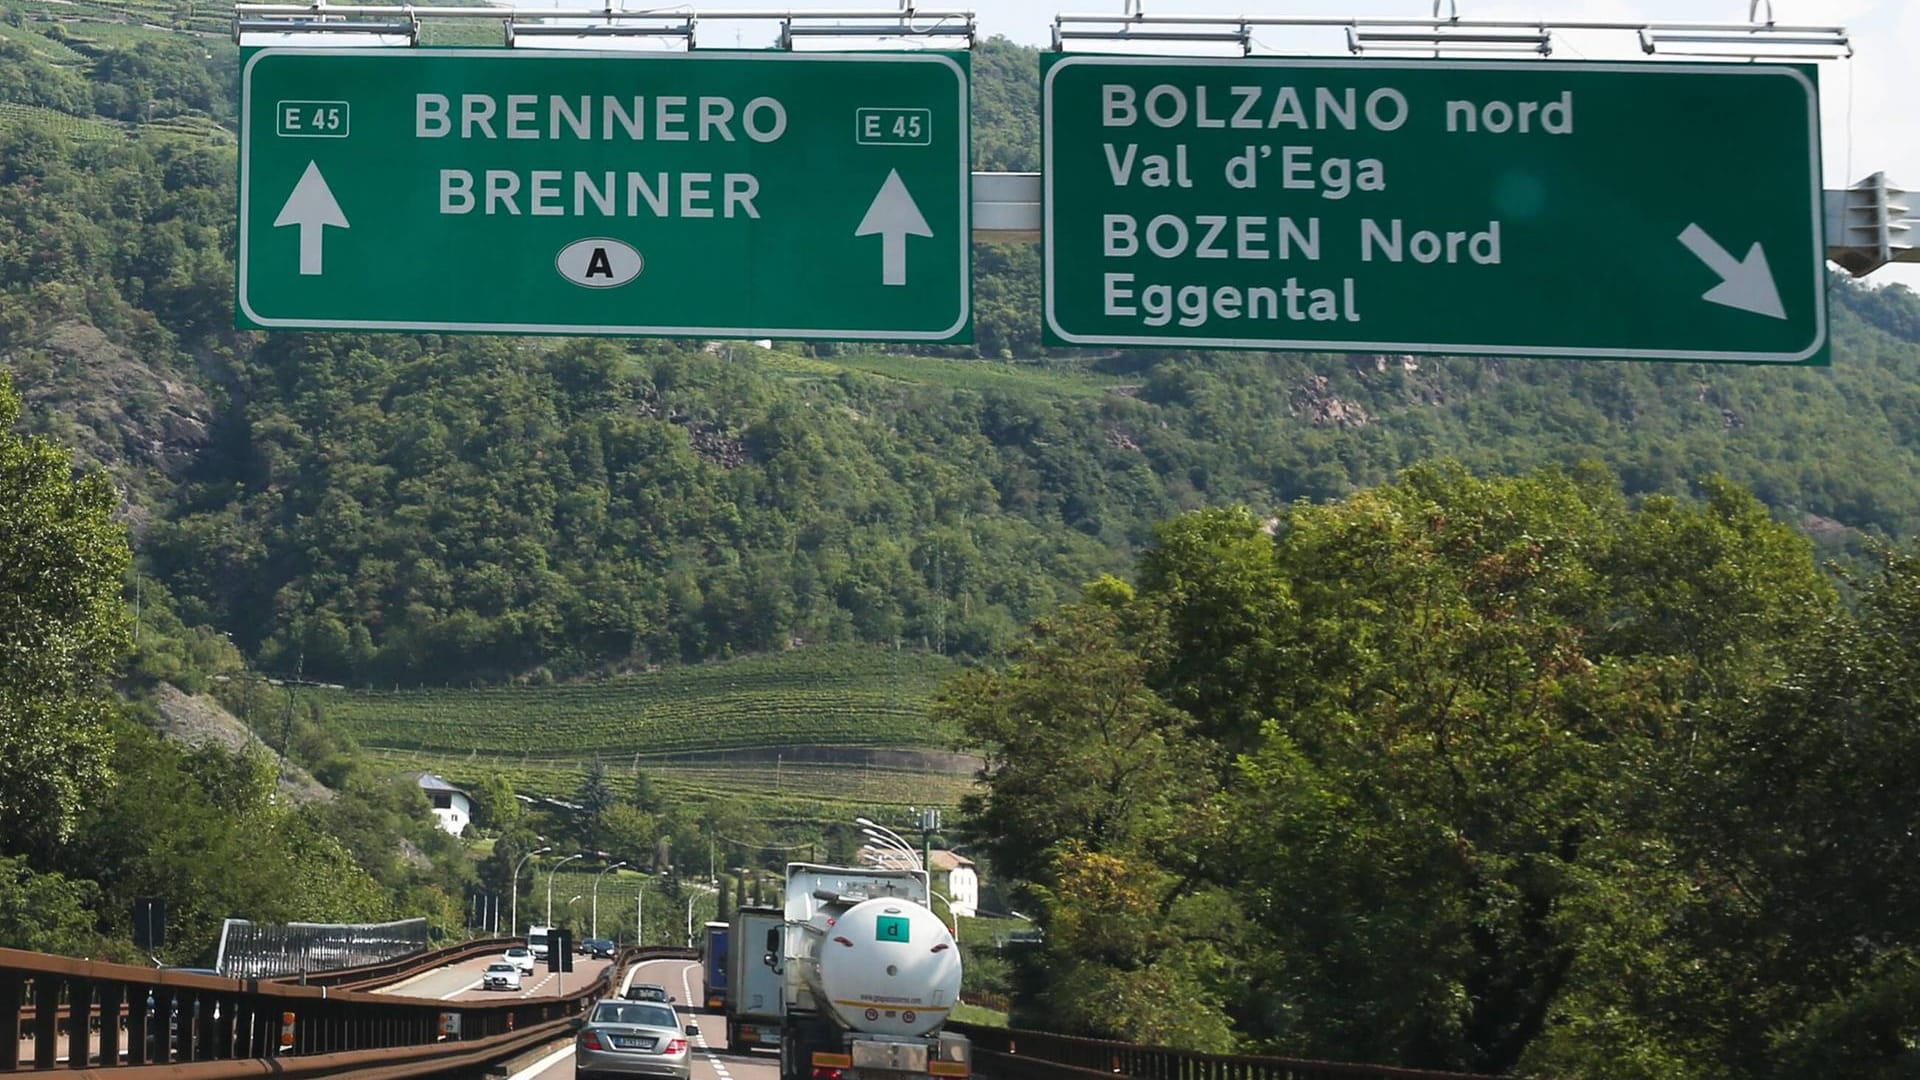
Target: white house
{"points": [[963, 881], [450, 804]]}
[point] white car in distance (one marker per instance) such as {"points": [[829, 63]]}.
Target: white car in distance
{"points": [[501, 975], [521, 957]]}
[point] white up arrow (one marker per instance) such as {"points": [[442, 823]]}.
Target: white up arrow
{"points": [[895, 217], [1746, 283], [312, 207]]}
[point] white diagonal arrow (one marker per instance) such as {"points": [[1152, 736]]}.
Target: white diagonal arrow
{"points": [[895, 216], [313, 208], [1746, 284]]}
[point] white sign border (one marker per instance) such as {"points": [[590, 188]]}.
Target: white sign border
{"points": [[1177, 341], [964, 133]]}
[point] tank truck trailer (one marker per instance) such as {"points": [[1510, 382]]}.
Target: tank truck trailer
{"points": [[868, 976]]}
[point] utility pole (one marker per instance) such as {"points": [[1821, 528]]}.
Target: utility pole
{"points": [[929, 824]]}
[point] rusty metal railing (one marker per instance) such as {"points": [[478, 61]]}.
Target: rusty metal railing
{"points": [[1013, 1054], [141, 1022]]}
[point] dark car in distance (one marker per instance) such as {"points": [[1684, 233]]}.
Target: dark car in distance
{"points": [[598, 948], [647, 992]]}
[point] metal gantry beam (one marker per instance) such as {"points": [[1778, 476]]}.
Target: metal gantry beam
{"points": [[1872, 224], [1758, 38], [403, 20]]}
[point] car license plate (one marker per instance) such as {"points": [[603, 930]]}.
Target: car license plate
{"points": [[632, 1044]]}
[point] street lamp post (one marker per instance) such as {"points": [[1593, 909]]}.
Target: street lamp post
{"points": [[516, 887], [596, 897], [878, 831], [896, 838], [951, 914], [550, 873], [891, 844]]}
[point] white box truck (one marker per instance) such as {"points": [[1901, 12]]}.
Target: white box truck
{"points": [[753, 985], [537, 941]]}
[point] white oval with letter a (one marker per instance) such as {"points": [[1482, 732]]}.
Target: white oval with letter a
{"points": [[599, 263]]}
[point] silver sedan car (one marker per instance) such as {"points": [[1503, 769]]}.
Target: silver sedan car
{"points": [[632, 1038]]}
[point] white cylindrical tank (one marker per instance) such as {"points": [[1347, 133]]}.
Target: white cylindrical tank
{"points": [[886, 966]]}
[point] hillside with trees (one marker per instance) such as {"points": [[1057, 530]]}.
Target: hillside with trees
{"points": [[1503, 775], [1585, 771], [388, 509]]}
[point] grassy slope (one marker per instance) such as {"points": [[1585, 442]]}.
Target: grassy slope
{"points": [[542, 738], [829, 696]]}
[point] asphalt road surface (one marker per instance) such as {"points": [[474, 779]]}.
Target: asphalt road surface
{"points": [[710, 1061], [461, 982]]}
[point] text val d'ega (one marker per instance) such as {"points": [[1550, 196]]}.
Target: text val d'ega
{"points": [[1253, 238], [658, 193]]}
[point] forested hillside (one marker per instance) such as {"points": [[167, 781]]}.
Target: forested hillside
{"points": [[386, 509], [1565, 757], [1502, 775]]}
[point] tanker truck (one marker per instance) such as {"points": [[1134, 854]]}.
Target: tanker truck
{"points": [[867, 977]]}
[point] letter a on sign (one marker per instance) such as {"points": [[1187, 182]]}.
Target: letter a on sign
{"points": [[599, 265]]}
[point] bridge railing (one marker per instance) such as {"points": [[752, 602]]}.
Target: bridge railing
{"points": [[1013, 1054], [367, 976], [81, 1014], [268, 950]]}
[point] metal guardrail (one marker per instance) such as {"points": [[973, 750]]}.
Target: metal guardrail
{"points": [[361, 977], [142, 1022], [369, 976], [258, 950], [1013, 1054]]}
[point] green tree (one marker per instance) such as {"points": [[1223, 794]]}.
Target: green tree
{"points": [[645, 798], [495, 807], [45, 912], [595, 798], [1079, 750], [62, 559]]}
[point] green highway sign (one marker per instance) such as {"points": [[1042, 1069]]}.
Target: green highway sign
{"points": [[704, 194], [1612, 210]]}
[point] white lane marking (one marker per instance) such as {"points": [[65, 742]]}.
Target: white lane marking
{"points": [[474, 985], [396, 988], [564, 1052], [545, 1063], [700, 1040]]}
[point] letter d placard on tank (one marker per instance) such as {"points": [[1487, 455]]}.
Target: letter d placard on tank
{"points": [[1667, 211], [708, 194]]}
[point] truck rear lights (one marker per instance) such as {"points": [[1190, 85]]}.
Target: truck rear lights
{"points": [[822, 1072]]}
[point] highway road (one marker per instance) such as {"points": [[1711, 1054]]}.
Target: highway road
{"points": [[710, 1062], [461, 982]]}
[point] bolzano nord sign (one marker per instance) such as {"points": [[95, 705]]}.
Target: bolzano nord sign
{"points": [[1610, 210]]}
